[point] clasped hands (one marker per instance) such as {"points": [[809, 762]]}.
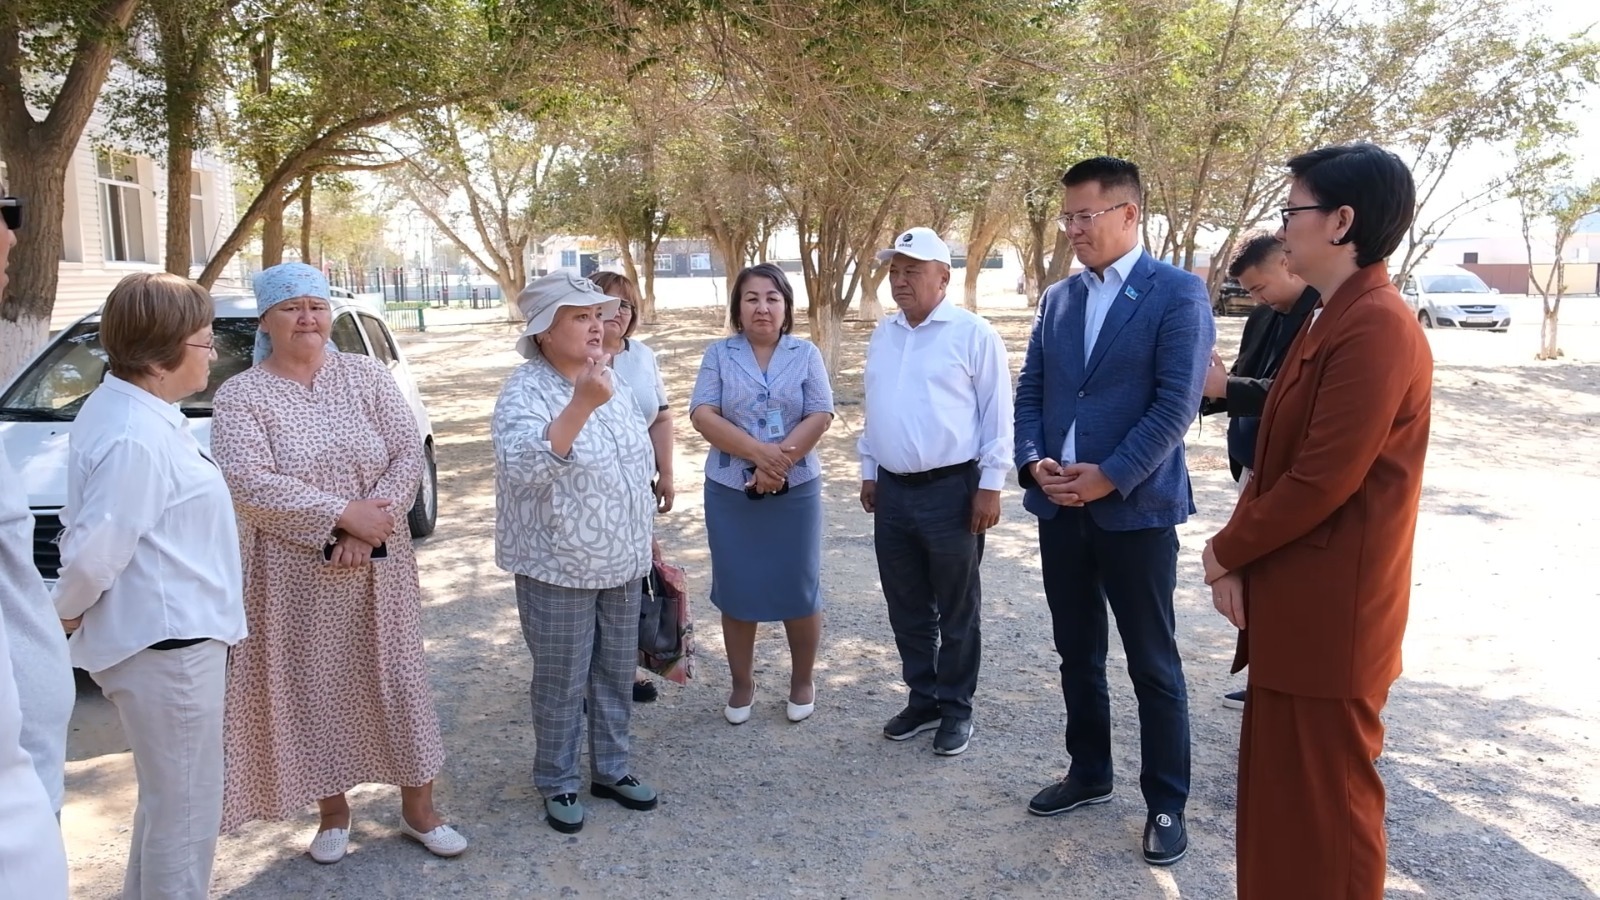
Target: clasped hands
{"points": [[1071, 485], [362, 526], [773, 462]]}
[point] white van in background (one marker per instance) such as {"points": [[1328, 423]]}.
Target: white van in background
{"points": [[1452, 297]]}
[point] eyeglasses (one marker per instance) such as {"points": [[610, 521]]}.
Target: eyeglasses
{"points": [[11, 212], [209, 348], [1285, 211], [1083, 221]]}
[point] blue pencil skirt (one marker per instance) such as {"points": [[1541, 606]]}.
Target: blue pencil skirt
{"points": [[766, 555]]}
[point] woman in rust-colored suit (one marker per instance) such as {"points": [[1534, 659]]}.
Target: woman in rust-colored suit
{"points": [[1314, 567]]}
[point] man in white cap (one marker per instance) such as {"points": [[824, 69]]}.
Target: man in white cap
{"points": [[934, 456]]}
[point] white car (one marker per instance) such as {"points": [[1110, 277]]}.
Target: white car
{"points": [[1453, 297], [38, 406]]}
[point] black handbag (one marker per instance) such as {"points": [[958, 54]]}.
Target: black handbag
{"points": [[658, 615]]}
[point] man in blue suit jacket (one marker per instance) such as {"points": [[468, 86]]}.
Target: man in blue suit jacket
{"points": [[1111, 383]]}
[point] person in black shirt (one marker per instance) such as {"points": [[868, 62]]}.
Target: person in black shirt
{"points": [[1241, 392]]}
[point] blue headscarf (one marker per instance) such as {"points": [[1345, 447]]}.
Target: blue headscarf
{"points": [[285, 281]]}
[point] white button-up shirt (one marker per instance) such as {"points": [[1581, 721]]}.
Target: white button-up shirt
{"points": [[937, 395], [1102, 293], [150, 547]]}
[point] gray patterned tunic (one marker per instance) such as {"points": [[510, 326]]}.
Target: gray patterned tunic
{"points": [[583, 521]]}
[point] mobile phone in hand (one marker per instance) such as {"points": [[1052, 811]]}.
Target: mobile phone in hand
{"points": [[379, 552]]}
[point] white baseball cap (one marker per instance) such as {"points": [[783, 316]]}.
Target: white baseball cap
{"points": [[918, 243]]}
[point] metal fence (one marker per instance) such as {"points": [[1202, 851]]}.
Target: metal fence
{"points": [[436, 287], [407, 316]]}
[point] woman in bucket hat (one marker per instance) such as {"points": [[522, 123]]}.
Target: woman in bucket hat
{"points": [[573, 524]]}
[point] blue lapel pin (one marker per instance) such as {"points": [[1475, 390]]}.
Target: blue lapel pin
{"points": [[1131, 294]]}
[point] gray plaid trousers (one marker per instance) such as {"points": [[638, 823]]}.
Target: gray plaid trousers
{"points": [[585, 644]]}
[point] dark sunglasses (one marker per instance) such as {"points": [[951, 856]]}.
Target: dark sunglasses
{"points": [[11, 212]]}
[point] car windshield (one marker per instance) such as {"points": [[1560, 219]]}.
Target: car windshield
{"points": [[1454, 284], [55, 386]]}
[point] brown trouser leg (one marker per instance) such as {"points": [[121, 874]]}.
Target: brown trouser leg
{"points": [[1310, 823]]}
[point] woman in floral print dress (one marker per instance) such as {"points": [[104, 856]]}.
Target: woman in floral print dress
{"points": [[331, 689]]}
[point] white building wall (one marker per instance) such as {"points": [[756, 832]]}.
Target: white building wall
{"points": [[87, 276]]}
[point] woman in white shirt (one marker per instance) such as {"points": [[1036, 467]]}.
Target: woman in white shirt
{"points": [[636, 363], [573, 516], [150, 583], [32, 861]]}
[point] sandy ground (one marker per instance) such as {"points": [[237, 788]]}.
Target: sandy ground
{"points": [[1493, 730]]}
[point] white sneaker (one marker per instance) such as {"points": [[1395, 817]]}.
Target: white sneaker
{"points": [[442, 841], [330, 846]]}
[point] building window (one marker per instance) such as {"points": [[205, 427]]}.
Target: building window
{"points": [[1469, 258], [121, 212], [199, 245], [569, 259], [663, 262]]}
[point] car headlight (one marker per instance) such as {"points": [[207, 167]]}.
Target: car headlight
{"points": [[1450, 310]]}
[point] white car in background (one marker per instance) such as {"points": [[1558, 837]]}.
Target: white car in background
{"points": [[38, 406], [1452, 297]]}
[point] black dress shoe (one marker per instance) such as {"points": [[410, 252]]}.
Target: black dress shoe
{"points": [[910, 722], [1165, 841], [953, 737], [1067, 795], [645, 692]]}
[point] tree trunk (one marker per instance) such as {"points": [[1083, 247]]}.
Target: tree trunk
{"points": [[35, 260], [871, 306], [272, 232], [632, 271], [180, 184], [182, 65], [1061, 259], [305, 221], [1549, 348], [647, 304], [39, 155]]}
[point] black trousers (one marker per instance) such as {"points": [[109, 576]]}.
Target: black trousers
{"points": [[1086, 568], [928, 561]]}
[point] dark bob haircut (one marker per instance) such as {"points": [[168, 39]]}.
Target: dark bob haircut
{"points": [[1371, 181], [1111, 173], [1256, 249], [736, 295]]}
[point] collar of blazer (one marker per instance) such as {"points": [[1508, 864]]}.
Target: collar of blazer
{"points": [[1310, 339], [1363, 282], [1129, 297], [744, 356]]}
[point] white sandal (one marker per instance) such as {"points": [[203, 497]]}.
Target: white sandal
{"points": [[330, 846], [442, 841]]}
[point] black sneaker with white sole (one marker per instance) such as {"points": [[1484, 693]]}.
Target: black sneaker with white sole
{"points": [[953, 737], [1234, 700], [1067, 795], [1165, 840], [910, 722]]}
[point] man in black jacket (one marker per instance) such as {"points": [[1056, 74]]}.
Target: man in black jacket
{"points": [[1241, 392]]}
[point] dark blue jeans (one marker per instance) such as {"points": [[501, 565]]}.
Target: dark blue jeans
{"points": [[1135, 572], [928, 561]]}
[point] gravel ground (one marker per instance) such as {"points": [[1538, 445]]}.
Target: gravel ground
{"points": [[1493, 730]]}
